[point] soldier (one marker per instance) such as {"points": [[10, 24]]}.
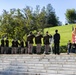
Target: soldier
{"points": [[38, 42], [46, 42], [26, 46], [16, 46], [6, 45], [12, 46], [30, 42], [56, 42], [22, 46], [2, 45]]}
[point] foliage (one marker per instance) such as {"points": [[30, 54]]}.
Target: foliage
{"points": [[16, 23], [71, 15], [52, 20]]}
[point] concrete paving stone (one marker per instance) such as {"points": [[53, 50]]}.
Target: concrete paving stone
{"points": [[9, 59], [37, 65], [43, 71], [34, 67], [1, 69], [14, 73], [57, 62], [70, 63], [17, 67], [66, 69], [1, 61], [58, 57], [71, 60], [65, 72], [34, 70], [4, 64], [53, 65], [37, 57], [51, 60], [61, 60], [21, 70], [42, 62], [32, 60], [22, 64], [60, 74], [70, 66], [65, 58], [50, 57], [6, 61], [52, 71], [53, 68], [26, 57], [30, 64]]}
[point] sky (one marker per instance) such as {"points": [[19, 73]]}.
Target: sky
{"points": [[60, 6]]}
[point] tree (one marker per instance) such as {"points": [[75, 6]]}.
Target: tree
{"points": [[52, 19], [5, 21], [28, 18], [16, 23], [12, 24], [71, 15], [42, 17]]}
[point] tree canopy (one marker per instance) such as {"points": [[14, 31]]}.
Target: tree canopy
{"points": [[15, 23], [70, 15]]}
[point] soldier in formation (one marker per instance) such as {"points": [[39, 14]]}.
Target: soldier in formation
{"points": [[27, 47]]}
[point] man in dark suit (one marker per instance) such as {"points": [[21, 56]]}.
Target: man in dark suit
{"points": [[56, 42]]}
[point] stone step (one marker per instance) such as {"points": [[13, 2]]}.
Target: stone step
{"points": [[39, 72], [25, 64]]}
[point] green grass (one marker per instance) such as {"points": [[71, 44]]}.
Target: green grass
{"points": [[65, 32]]}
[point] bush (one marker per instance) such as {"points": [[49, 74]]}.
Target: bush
{"points": [[63, 49]]}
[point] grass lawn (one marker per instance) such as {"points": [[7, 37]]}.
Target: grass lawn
{"points": [[65, 32]]}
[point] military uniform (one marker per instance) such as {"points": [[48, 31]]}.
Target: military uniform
{"points": [[15, 46], [6, 45], [38, 42], [30, 43], [22, 46], [46, 43], [2, 46], [26, 47]]}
